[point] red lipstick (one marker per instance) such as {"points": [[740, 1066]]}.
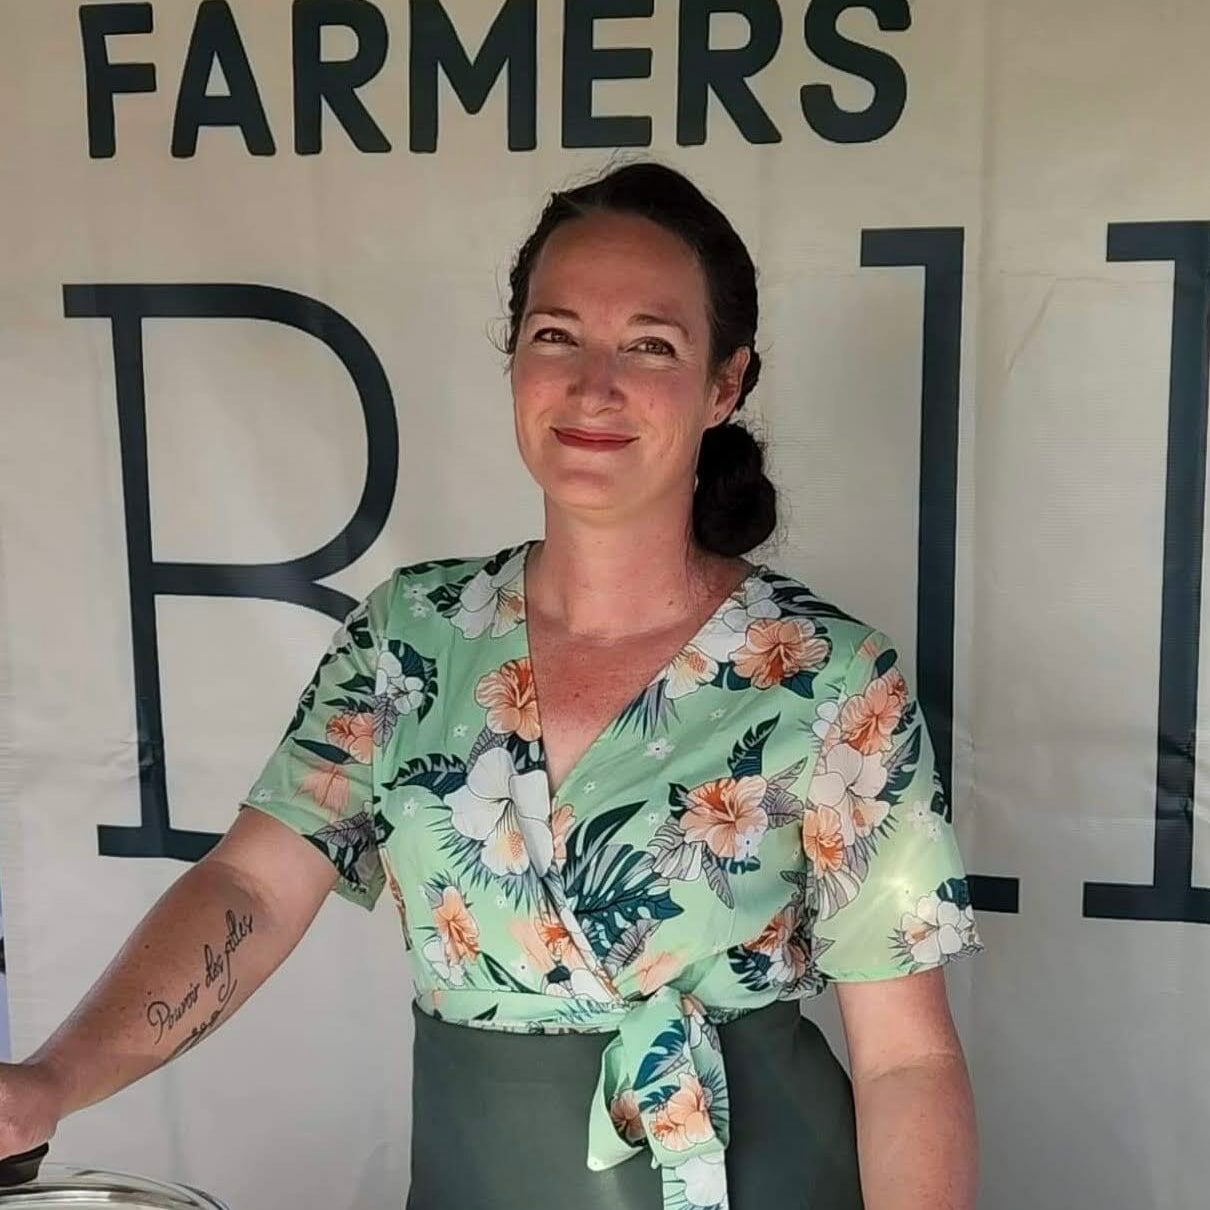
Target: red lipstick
{"points": [[587, 439]]}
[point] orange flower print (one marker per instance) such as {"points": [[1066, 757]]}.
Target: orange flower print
{"points": [[823, 839], [328, 786], [545, 942], [509, 698], [868, 720], [354, 733], [624, 1113], [533, 946], [775, 649], [554, 936], [654, 970], [775, 934], [684, 1119], [562, 819], [727, 816], [787, 955], [456, 927]]}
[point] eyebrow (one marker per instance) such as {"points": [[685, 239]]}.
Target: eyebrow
{"points": [[640, 317]]}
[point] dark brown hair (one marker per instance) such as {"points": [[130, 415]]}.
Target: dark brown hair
{"points": [[734, 503]]}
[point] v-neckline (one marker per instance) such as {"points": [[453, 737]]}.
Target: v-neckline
{"points": [[736, 595]]}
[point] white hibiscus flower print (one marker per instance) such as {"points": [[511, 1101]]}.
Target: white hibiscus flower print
{"points": [[506, 810], [452, 971], [937, 930], [850, 782], [406, 693], [720, 638], [827, 716], [492, 603], [690, 669], [725, 633], [705, 1178], [756, 603]]}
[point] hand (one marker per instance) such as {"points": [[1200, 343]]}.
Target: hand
{"points": [[31, 1106]]}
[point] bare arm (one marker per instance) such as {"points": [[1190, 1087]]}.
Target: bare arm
{"points": [[916, 1135], [206, 945]]}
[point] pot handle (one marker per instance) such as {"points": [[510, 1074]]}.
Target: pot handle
{"points": [[23, 1168]]}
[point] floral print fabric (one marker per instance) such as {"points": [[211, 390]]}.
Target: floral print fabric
{"points": [[765, 816]]}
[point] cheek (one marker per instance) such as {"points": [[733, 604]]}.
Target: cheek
{"points": [[674, 412], [535, 384]]}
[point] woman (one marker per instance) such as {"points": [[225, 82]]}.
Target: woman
{"points": [[634, 798]]}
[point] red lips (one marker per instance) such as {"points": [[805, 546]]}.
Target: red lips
{"points": [[588, 439]]}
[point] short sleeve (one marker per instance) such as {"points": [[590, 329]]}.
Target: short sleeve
{"points": [[319, 780], [878, 830]]}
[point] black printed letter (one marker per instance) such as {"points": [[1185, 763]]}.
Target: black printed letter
{"points": [[725, 72], [512, 41], [103, 80], [819, 106], [1171, 894], [295, 580], [584, 62], [940, 251], [216, 38], [336, 81]]}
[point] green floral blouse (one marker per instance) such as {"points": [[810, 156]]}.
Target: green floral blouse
{"points": [[764, 817]]}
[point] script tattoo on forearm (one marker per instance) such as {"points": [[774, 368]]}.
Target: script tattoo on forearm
{"points": [[218, 970]]}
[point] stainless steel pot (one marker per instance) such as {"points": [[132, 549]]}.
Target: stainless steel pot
{"points": [[25, 1181]]}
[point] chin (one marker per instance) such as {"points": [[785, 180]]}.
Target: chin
{"points": [[582, 491]]}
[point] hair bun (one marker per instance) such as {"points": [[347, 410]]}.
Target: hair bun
{"points": [[734, 503]]}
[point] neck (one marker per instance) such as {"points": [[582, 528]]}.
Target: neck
{"points": [[611, 581]]}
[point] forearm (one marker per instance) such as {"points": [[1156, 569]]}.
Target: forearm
{"points": [[196, 956], [916, 1137]]}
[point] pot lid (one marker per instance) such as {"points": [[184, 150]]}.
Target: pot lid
{"points": [[26, 1182]]}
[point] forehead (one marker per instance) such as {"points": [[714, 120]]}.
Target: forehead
{"points": [[619, 260]]}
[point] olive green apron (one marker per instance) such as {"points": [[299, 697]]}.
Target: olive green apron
{"points": [[500, 1120]]}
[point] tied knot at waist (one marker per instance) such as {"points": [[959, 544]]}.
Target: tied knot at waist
{"points": [[662, 1084]]}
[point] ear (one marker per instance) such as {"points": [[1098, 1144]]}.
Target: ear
{"points": [[728, 382]]}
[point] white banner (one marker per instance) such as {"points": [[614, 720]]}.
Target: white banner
{"points": [[252, 258]]}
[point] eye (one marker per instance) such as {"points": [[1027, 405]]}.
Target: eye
{"points": [[551, 336], [661, 347]]}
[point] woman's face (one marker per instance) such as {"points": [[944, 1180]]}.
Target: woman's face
{"points": [[611, 378]]}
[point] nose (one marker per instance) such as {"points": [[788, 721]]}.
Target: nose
{"points": [[594, 384]]}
